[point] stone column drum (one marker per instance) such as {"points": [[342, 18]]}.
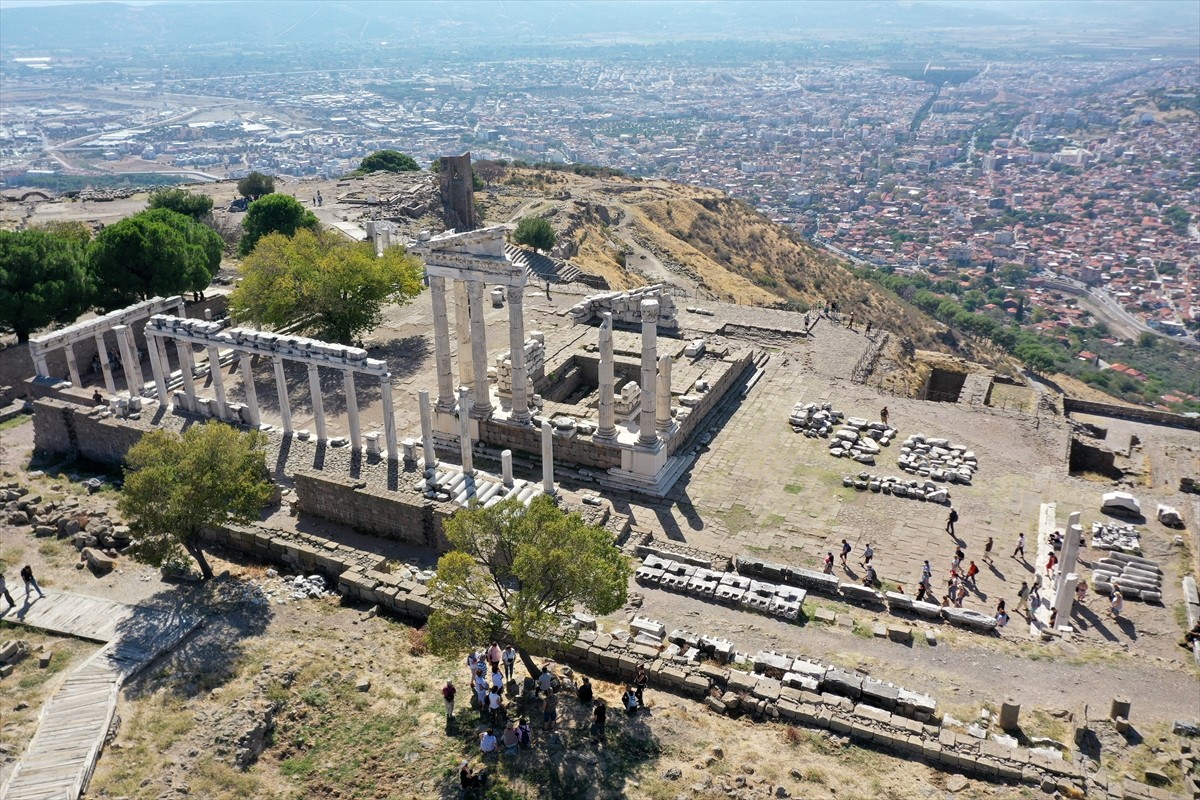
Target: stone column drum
{"points": [[547, 458], [464, 430], [218, 380], [251, 392], [105, 367], [352, 410]]}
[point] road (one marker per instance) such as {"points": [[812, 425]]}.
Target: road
{"points": [[1107, 309]]}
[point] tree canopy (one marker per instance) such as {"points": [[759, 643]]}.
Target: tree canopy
{"points": [[388, 161], [255, 185], [517, 571], [176, 486], [534, 232], [275, 213], [337, 288], [43, 279], [156, 252], [196, 206]]}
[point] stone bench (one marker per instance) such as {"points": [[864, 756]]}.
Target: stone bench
{"points": [[812, 580]]}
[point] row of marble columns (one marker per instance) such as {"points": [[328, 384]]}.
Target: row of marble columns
{"points": [[655, 415], [471, 334], [161, 367], [127, 345]]}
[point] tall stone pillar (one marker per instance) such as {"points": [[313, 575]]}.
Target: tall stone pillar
{"points": [[607, 429], [133, 370], [389, 416], [662, 417], [1064, 598], [187, 367], [158, 354], [464, 430], [218, 380], [38, 353], [73, 367], [352, 410], [441, 344], [318, 404], [547, 458], [462, 335], [431, 461], [105, 367], [482, 401], [506, 467], [648, 436], [160, 383], [516, 341], [1070, 547], [251, 392], [285, 404], [127, 357]]}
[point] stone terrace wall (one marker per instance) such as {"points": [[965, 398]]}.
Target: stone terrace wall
{"points": [[404, 515], [1071, 404], [574, 450], [66, 428], [717, 393]]}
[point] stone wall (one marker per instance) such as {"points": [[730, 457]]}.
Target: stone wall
{"points": [[68, 429], [710, 399], [1071, 404], [404, 515], [577, 449]]}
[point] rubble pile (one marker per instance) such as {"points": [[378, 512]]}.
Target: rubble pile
{"points": [[280, 589], [938, 459], [1115, 536], [1137, 578], [854, 438], [626, 307], [926, 491], [90, 530], [777, 600]]}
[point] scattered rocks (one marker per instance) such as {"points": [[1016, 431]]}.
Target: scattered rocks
{"points": [[938, 459], [855, 438], [925, 491]]}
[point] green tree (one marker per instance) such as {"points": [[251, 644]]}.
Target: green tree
{"points": [[176, 486], [1147, 340], [255, 185], [275, 213], [337, 288], [387, 161], [534, 232], [520, 570], [72, 229], [156, 252], [43, 279], [196, 206]]}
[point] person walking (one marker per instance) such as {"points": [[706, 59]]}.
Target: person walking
{"points": [[972, 571], [1051, 562], [639, 683], [868, 554], [510, 662], [550, 711], [1023, 599], [27, 576], [828, 569], [845, 552], [448, 692], [1020, 548], [599, 715], [883, 415], [4, 592], [1116, 602], [950, 520], [987, 550]]}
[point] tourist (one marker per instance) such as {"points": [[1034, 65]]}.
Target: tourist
{"points": [[496, 707], [945, 601], [972, 571], [510, 739], [510, 661], [1050, 563], [1001, 619], [584, 692], [987, 550], [845, 552], [926, 571], [97, 398], [950, 520], [1056, 540], [481, 689], [27, 576], [868, 554], [1000, 605], [550, 711], [1116, 602], [599, 714], [487, 742], [472, 664], [629, 701], [868, 326], [1053, 618], [545, 680], [1023, 599], [870, 580], [525, 733], [920, 592], [956, 562], [493, 656], [639, 683], [472, 783], [1020, 548], [828, 569], [1081, 593], [883, 415], [1191, 637], [448, 692], [497, 680], [4, 592]]}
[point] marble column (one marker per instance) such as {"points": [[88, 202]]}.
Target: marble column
{"points": [[127, 357], [506, 467], [547, 457], [389, 417], [431, 461], [39, 359], [441, 344], [105, 367], [218, 380], [516, 341], [251, 391], [72, 367], [662, 417], [607, 428], [318, 404], [648, 436], [281, 389], [462, 335], [1064, 598], [352, 410], [160, 383], [159, 354], [187, 366], [464, 430], [481, 407], [1070, 547], [133, 370]]}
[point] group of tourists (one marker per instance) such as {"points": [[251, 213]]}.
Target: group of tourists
{"points": [[31, 585]]}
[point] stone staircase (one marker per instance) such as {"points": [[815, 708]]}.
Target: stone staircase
{"points": [[540, 267]]}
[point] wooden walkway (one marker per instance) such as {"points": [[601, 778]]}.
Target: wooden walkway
{"points": [[75, 721]]}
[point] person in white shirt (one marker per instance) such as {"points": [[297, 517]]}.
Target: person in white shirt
{"points": [[487, 742]]}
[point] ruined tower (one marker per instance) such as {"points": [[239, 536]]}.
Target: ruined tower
{"points": [[458, 193]]}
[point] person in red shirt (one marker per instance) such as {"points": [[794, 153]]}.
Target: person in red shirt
{"points": [[972, 571]]}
